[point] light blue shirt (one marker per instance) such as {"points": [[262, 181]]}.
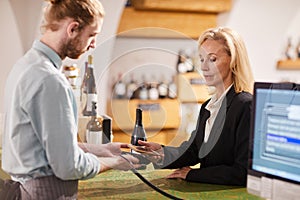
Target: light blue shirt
{"points": [[40, 136]]}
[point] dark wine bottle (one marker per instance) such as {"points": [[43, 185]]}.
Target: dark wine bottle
{"points": [[138, 131], [139, 134]]}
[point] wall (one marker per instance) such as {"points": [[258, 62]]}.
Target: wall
{"points": [[11, 46], [265, 26]]}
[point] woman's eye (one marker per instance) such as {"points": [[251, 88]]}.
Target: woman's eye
{"points": [[212, 59], [202, 60]]}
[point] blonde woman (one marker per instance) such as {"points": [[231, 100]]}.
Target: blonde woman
{"points": [[220, 141]]}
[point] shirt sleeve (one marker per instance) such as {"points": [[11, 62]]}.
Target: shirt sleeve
{"points": [[52, 113]]}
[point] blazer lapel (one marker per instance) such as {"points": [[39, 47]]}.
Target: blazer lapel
{"points": [[217, 126]]}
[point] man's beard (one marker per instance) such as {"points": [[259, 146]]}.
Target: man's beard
{"points": [[70, 48]]}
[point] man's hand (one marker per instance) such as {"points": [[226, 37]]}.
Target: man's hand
{"points": [[103, 150], [119, 163]]}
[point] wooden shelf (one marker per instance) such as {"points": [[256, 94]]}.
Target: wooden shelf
{"points": [[153, 24], [288, 64], [170, 18], [157, 114], [215, 6]]}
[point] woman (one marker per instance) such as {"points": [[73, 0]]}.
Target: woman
{"points": [[220, 141]]}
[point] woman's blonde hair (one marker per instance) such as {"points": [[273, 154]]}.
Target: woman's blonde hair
{"points": [[239, 65], [85, 12]]}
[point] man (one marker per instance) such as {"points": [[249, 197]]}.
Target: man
{"points": [[40, 149]]}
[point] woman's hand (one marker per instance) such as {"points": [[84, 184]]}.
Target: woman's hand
{"points": [[180, 173], [155, 151]]}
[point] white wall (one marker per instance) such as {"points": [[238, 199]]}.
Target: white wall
{"points": [[11, 47], [265, 26]]}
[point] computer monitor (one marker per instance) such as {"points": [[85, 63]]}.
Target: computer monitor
{"points": [[274, 150]]}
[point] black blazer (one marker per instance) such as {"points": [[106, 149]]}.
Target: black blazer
{"points": [[225, 155]]}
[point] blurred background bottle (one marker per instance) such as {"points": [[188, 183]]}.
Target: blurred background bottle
{"points": [[153, 91], [143, 89], [163, 88], [94, 131], [172, 89], [119, 88], [131, 87]]}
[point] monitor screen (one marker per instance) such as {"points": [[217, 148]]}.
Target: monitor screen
{"points": [[276, 131]]}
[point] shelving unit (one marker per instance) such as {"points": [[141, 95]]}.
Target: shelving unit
{"points": [[289, 64], [170, 18], [157, 114]]}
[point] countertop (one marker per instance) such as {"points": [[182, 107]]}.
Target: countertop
{"points": [[126, 185]]}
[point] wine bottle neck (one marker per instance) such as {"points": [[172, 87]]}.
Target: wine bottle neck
{"points": [[138, 120]]}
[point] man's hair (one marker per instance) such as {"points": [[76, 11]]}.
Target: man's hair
{"points": [[85, 12]]}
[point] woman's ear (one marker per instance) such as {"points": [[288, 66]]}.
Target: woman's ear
{"points": [[72, 29]]}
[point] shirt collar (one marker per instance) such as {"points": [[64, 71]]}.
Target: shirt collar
{"points": [[216, 102], [50, 53]]}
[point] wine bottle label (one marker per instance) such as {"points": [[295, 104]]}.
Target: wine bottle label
{"points": [[94, 137], [91, 98]]}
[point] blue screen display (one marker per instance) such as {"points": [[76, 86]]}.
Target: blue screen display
{"points": [[276, 149]]}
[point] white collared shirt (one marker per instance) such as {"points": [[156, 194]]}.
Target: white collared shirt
{"points": [[213, 107]]}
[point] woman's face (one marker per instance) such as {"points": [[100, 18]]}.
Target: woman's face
{"points": [[215, 64]]}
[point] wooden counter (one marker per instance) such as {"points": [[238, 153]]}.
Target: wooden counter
{"points": [[125, 185]]}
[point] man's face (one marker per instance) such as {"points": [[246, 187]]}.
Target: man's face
{"points": [[82, 42]]}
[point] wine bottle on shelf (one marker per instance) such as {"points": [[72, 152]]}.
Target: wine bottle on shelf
{"points": [[94, 130], [172, 92], [130, 88], [153, 91], [298, 49], [163, 89], [119, 88], [143, 90], [91, 90], [289, 49], [181, 65], [189, 61]]}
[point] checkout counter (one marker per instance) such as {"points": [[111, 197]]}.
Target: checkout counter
{"points": [[126, 185]]}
